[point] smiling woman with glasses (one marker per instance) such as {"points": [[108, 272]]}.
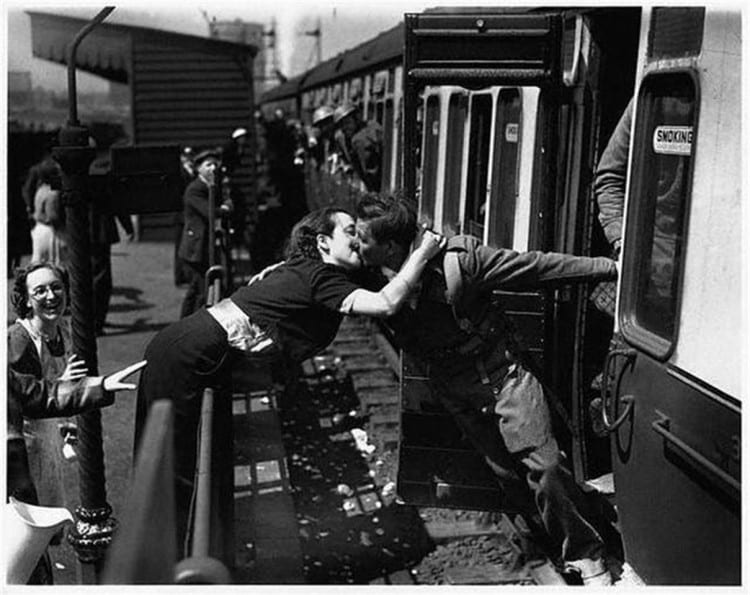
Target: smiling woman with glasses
{"points": [[47, 385], [39, 345]]}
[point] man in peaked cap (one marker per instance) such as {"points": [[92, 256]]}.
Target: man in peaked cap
{"points": [[194, 249]]}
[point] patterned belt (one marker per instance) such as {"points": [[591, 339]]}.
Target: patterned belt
{"points": [[242, 333]]}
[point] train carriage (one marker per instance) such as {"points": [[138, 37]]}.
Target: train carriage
{"points": [[495, 121]]}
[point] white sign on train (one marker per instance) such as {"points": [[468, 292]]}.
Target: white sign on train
{"points": [[511, 132], [673, 140]]}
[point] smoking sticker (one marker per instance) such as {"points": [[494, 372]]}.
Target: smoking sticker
{"points": [[673, 140]]}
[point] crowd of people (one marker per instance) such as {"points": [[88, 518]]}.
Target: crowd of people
{"points": [[435, 294]]}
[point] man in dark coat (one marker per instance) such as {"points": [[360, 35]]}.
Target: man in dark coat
{"points": [[194, 249]]}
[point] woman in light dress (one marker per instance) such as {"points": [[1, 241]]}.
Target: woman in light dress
{"points": [[48, 233]]}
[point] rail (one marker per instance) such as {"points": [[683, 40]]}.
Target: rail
{"points": [[144, 550], [211, 546]]}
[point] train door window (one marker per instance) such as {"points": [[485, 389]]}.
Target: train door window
{"points": [[388, 133], [430, 155], [479, 148], [458, 107], [504, 187], [399, 135], [659, 194]]}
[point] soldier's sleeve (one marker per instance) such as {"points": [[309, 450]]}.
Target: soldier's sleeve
{"points": [[610, 177], [485, 268]]}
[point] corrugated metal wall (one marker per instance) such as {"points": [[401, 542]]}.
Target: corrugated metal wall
{"points": [[192, 92]]}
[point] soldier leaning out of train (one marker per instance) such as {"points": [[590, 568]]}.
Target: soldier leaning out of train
{"points": [[320, 134], [482, 378], [360, 144], [292, 313]]}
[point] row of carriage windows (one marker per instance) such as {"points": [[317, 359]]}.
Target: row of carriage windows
{"points": [[491, 147], [491, 175]]}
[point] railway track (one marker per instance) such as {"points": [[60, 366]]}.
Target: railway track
{"points": [[315, 498]]}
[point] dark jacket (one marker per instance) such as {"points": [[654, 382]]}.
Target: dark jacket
{"points": [[31, 396], [194, 243]]}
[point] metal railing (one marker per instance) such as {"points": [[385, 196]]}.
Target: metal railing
{"points": [[144, 550], [211, 545]]}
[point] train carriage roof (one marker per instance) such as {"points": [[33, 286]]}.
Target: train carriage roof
{"points": [[385, 47], [285, 90]]}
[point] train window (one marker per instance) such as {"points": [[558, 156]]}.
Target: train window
{"points": [[385, 183], [657, 210], [379, 112], [399, 136], [479, 148], [430, 155], [458, 107], [504, 187]]}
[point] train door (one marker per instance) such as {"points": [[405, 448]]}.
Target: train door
{"points": [[599, 60], [477, 55], [673, 403]]}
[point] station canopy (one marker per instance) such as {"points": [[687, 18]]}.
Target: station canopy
{"points": [[107, 50]]}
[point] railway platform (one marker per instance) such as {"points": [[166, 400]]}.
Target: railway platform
{"points": [[314, 463]]}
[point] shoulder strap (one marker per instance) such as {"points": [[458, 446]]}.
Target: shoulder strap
{"points": [[453, 280]]}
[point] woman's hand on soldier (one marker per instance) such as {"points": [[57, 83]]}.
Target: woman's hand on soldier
{"points": [[431, 243]]}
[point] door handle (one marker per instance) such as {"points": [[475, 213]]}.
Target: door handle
{"points": [[627, 400], [661, 427]]}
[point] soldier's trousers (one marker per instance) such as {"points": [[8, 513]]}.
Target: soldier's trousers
{"points": [[503, 413]]}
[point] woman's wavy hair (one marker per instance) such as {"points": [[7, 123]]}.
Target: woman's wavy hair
{"points": [[390, 217], [303, 241], [19, 296]]}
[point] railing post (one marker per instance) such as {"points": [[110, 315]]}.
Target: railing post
{"points": [[94, 526]]}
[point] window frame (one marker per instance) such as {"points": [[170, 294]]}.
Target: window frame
{"points": [[479, 147], [500, 211], [634, 331]]}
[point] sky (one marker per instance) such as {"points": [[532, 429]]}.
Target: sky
{"points": [[344, 25]]}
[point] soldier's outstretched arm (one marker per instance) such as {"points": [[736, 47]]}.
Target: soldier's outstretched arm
{"points": [[489, 268]]}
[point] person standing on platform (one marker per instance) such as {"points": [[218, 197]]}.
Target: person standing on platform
{"points": [[45, 380], [194, 249], [48, 234]]}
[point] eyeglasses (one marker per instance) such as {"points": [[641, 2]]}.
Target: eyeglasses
{"points": [[40, 292]]}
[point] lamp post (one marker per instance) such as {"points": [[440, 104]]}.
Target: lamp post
{"points": [[94, 525]]}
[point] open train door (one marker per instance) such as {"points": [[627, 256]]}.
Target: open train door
{"points": [[673, 404], [460, 47]]}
